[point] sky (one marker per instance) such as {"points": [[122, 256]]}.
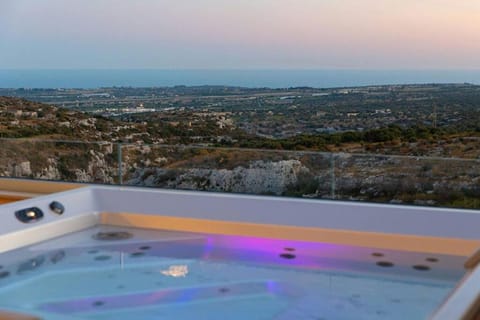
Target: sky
{"points": [[240, 34]]}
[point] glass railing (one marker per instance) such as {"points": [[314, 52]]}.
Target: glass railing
{"points": [[70, 161], [448, 182], [425, 181], [266, 172]]}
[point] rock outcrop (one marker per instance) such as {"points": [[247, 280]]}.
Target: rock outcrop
{"points": [[259, 177]]}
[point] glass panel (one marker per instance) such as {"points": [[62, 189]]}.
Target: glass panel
{"points": [[423, 181], [59, 160], [408, 180], [299, 174]]}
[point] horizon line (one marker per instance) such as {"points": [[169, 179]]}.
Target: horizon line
{"points": [[242, 69]]}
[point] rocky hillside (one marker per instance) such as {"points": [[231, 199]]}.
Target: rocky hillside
{"points": [[425, 181], [258, 177], [21, 118]]}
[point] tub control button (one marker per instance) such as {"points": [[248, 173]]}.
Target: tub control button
{"points": [[57, 207], [29, 215]]}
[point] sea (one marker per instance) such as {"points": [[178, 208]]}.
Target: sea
{"points": [[331, 78]]}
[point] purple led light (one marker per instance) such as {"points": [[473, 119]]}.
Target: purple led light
{"points": [[307, 255]]}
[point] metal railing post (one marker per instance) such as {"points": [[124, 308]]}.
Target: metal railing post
{"points": [[120, 173], [332, 172]]}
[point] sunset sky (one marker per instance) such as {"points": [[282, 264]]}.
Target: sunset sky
{"points": [[240, 34]]}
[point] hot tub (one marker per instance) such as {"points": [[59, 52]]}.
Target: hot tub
{"points": [[130, 253]]}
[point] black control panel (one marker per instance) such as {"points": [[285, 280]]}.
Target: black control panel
{"points": [[29, 215]]}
